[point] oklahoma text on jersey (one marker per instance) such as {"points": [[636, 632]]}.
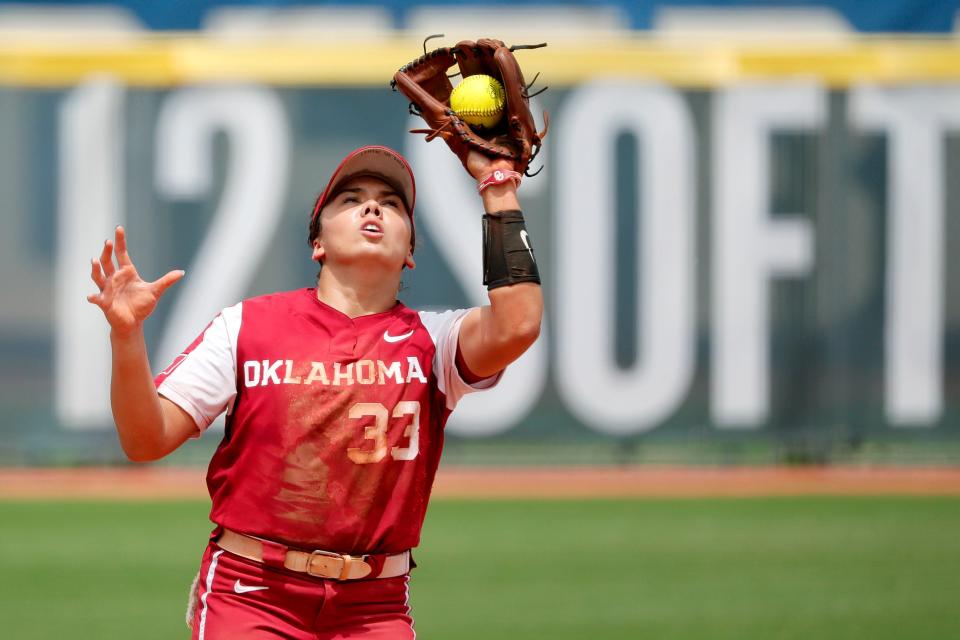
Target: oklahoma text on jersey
{"points": [[260, 373]]}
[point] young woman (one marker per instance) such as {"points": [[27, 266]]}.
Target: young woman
{"points": [[335, 396]]}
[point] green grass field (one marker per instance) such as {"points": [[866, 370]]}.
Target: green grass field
{"points": [[869, 568]]}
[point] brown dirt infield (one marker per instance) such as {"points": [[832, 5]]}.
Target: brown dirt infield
{"points": [[146, 482]]}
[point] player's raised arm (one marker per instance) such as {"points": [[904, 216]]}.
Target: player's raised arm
{"points": [[493, 336], [149, 426], [486, 121]]}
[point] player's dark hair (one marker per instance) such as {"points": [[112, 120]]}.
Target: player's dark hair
{"points": [[313, 229]]}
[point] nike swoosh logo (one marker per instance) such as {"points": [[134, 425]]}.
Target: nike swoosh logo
{"points": [[526, 243], [390, 338], [243, 588]]}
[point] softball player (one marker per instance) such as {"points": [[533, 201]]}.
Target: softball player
{"points": [[335, 400]]}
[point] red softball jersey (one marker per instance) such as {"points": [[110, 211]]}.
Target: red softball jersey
{"points": [[334, 424]]}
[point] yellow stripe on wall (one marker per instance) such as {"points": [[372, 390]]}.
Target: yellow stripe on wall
{"points": [[161, 61]]}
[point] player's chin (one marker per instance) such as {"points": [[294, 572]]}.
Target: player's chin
{"points": [[381, 255]]}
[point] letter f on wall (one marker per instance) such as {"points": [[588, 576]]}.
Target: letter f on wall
{"points": [[749, 247]]}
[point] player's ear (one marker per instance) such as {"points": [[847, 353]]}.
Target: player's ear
{"points": [[409, 262], [319, 253]]}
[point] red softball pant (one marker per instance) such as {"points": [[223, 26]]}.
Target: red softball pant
{"points": [[238, 599]]}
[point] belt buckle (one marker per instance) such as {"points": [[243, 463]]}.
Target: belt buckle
{"points": [[346, 559]]}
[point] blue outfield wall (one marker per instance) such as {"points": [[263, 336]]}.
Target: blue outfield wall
{"points": [[746, 270]]}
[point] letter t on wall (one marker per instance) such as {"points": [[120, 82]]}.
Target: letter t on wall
{"points": [[916, 121]]}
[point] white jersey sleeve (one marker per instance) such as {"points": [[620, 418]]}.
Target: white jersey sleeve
{"points": [[203, 379], [444, 328]]}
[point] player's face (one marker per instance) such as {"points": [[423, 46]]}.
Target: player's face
{"points": [[365, 221]]}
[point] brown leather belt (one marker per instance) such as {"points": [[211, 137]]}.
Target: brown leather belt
{"points": [[320, 564]]}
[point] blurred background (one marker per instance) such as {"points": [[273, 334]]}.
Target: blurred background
{"points": [[747, 215], [747, 221]]}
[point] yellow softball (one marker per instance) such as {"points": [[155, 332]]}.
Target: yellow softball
{"points": [[478, 100]]}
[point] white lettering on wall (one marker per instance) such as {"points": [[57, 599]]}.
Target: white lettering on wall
{"points": [[916, 120], [250, 207], [89, 206], [596, 390], [750, 249]]}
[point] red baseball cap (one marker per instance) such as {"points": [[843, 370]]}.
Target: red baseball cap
{"points": [[373, 160]]}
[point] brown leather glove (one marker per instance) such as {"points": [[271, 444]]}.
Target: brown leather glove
{"points": [[424, 81]]}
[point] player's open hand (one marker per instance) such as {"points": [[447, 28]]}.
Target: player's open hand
{"points": [[125, 298]]}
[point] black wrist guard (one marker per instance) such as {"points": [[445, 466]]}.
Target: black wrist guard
{"points": [[507, 253]]}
